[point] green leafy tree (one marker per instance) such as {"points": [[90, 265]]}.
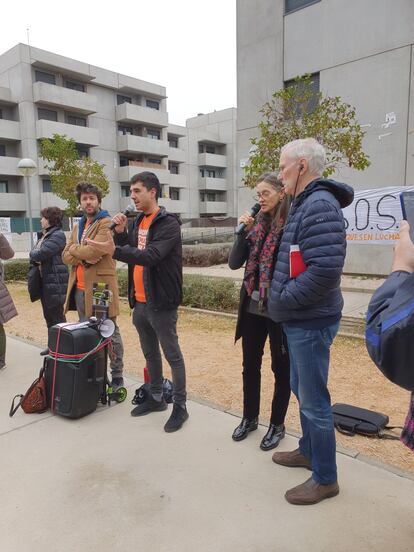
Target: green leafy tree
{"points": [[67, 169], [297, 111]]}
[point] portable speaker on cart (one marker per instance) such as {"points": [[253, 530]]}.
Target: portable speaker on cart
{"points": [[76, 367], [73, 389]]}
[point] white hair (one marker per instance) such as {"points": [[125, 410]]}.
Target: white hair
{"points": [[310, 149]]}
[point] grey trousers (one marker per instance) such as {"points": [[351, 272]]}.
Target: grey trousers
{"points": [[157, 328], [117, 363]]}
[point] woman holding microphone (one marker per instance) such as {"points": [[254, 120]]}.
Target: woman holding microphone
{"points": [[257, 246]]}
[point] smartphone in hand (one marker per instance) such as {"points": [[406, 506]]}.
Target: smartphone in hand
{"points": [[407, 208]]}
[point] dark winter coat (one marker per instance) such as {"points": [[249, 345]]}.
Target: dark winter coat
{"points": [[316, 224], [162, 260], [54, 272]]}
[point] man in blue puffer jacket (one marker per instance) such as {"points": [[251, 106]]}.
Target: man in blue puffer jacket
{"points": [[307, 299]]}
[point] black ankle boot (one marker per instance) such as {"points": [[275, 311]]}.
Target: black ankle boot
{"points": [[274, 435], [246, 426]]}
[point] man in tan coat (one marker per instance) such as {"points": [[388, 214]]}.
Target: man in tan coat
{"points": [[88, 266]]}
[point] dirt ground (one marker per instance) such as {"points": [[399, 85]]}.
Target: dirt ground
{"points": [[214, 372]]}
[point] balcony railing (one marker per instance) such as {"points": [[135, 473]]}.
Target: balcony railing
{"points": [[59, 96], [81, 135], [12, 202], [140, 144], [126, 173], [212, 160], [131, 113], [208, 183]]}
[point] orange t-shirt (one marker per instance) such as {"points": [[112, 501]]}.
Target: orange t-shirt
{"points": [[139, 269], [80, 269]]}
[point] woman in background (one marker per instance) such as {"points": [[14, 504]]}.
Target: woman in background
{"points": [[47, 254], [257, 245], [7, 308]]}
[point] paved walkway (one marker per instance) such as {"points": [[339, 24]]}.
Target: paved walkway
{"points": [[110, 482]]}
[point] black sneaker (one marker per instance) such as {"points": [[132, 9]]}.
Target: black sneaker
{"points": [[178, 416], [149, 405], [117, 383]]}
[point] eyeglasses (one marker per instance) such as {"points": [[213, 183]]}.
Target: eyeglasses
{"points": [[263, 195]]}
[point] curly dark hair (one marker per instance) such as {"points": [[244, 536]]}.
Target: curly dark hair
{"points": [[87, 188], [53, 215]]}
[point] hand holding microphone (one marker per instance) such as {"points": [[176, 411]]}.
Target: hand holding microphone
{"points": [[246, 221], [119, 221]]}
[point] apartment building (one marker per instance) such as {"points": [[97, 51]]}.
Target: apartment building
{"points": [[212, 164], [361, 51], [120, 121]]}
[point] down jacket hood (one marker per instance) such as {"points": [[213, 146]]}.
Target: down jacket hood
{"points": [[342, 192]]}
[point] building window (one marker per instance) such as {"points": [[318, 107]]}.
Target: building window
{"points": [[123, 161], [208, 173], [200, 148], [47, 114], [175, 194], [154, 160], [173, 141], [41, 76], [153, 104], [125, 192], [313, 101], [83, 151], [80, 87], [293, 5], [210, 149], [173, 167], [76, 120], [153, 133], [120, 99], [2, 150], [1, 114], [46, 185], [209, 196], [4, 187], [125, 130]]}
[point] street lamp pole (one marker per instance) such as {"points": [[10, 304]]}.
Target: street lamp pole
{"points": [[27, 168]]}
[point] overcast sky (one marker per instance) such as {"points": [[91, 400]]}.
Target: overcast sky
{"points": [[188, 46]]}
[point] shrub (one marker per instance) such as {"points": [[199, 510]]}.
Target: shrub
{"points": [[221, 294], [16, 270], [206, 254], [122, 282]]}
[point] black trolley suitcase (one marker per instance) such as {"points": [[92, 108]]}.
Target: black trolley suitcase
{"points": [[74, 389]]}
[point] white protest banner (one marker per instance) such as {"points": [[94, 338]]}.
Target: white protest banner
{"points": [[374, 216], [5, 227]]}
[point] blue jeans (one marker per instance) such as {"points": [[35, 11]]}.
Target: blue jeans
{"points": [[309, 366]]}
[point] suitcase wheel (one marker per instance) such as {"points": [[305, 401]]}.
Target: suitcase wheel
{"points": [[122, 394]]}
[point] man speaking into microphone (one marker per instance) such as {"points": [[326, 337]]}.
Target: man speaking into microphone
{"points": [[152, 248]]}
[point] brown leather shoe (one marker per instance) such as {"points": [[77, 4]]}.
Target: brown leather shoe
{"points": [[292, 459], [311, 492]]}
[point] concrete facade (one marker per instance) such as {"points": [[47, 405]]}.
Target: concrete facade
{"points": [[121, 122], [372, 70]]}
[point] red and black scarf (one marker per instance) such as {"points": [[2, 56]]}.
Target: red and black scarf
{"points": [[264, 240]]}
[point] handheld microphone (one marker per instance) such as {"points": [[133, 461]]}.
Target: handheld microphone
{"points": [[253, 212], [129, 209]]}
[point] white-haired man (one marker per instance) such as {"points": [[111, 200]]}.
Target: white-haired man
{"points": [[306, 297]]}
